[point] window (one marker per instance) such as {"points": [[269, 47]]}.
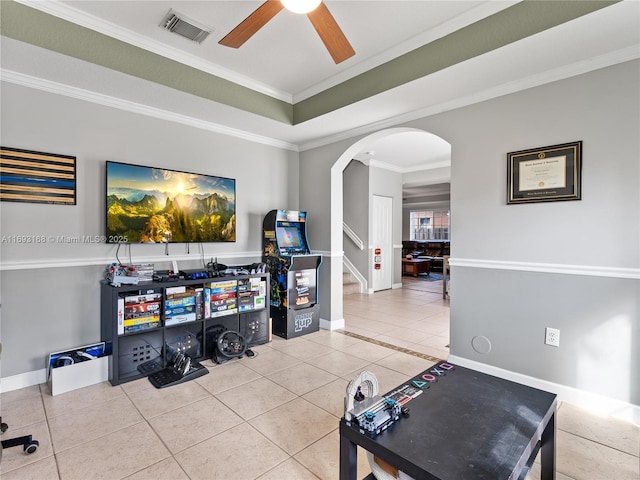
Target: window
{"points": [[429, 225]]}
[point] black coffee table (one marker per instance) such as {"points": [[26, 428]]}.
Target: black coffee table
{"points": [[465, 425]]}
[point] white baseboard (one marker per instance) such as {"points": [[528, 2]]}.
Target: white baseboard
{"points": [[590, 401], [23, 380], [68, 378]]}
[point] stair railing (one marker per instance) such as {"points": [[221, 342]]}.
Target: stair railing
{"points": [[353, 236]]}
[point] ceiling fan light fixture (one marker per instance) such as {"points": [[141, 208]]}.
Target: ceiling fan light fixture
{"points": [[300, 6]]}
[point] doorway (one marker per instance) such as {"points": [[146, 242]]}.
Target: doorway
{"points": [[381, 240], [440, 164]]}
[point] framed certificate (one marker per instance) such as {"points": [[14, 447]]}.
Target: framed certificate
{"points": [[547, 174]]}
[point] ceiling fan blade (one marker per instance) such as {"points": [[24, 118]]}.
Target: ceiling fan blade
{"points": [[339, 47], [250, 25]]}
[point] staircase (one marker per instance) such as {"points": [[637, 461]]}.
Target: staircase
{"points": [[349, 285]]}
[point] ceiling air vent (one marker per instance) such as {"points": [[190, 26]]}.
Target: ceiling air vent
{"points": [[177, 23]]}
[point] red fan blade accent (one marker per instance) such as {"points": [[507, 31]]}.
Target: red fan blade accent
{"points": [[339, 47], [250, 25]]}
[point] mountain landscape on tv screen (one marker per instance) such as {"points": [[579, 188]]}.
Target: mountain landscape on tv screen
{"points": [[157, 217]]}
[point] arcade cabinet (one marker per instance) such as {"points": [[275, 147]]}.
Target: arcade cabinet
{"points": [[294, 273]]}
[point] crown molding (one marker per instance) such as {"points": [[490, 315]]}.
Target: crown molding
{"points": [[30, 81], [83, 19], [567, 71], [561, 73]]}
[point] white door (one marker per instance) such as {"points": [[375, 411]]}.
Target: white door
{"points": [[381, 236]]}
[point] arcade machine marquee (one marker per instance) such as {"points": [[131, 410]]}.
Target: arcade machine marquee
{"points": [[294, 273]]}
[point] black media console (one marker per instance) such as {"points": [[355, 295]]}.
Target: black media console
{"points": [[147, 325]]}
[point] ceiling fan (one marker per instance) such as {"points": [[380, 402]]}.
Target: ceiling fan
{"points": [[330, 33]]}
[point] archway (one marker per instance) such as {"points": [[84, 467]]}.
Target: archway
{"points": [[337, 217]]}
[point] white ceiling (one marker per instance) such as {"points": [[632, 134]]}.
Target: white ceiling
{"points": [[287, 60]]}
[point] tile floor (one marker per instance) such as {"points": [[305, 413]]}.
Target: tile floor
{"points": [[273, 416]]}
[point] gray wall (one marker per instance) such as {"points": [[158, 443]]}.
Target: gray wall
{"points": [[49, 309], [567, 260], [598, 316], [361, 183], [355, 190]]}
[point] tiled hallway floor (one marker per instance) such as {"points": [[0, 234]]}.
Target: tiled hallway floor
{"points": [[273, 416]]}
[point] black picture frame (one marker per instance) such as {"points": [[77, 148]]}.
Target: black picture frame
{"points": [[546, 174]]}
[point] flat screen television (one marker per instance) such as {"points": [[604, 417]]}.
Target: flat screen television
{"points": [[158, 205]]}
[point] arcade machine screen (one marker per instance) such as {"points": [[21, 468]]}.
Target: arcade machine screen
{"points": [[290, 239], [302, 288]]}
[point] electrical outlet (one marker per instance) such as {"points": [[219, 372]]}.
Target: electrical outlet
{"points": [[552, 337]]}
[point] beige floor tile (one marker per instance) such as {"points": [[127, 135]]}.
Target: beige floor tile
{"points": [[439, 342], [302, 378], [184, 427], [430, 328], [136, 385], [24, 411], [387, 313], [262, 347], [241, 453], [323, 458], [329, 397], [399, 321], [289, 469], [374, 325], [356, 321], [440, 319], [19, 395], [612, 432], [167, 468], [363, 310], [434, 352], [404, 363], [155, 401], [117, 455], [289, 426], [14, 458], [101, 418], [45, 468], [279, 342], [404, 335], [79, 399], [255, 398], [335, 340], [582, 459], [227, 376], [305, 350], [202, 421], [361, 331], [339, 363], [270, 361], [393, 341], [367, 350]]}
